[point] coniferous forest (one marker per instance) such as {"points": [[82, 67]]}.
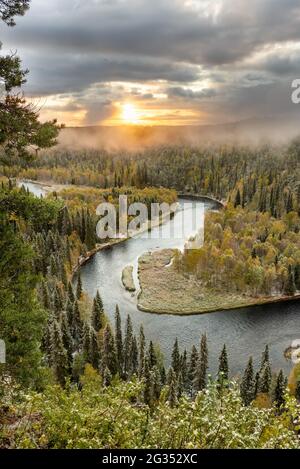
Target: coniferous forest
{"points": [[75, 378]]}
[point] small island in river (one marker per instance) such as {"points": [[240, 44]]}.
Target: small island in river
{"points": [[127, 278]]}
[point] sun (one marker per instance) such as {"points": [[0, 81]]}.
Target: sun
{"points": [[130, 113]]}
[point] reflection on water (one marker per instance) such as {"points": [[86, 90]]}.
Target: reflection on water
{"points": [[34, 188], [245, 331]]}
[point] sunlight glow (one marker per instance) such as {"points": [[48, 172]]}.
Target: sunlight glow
{"points": [[130, 114]]}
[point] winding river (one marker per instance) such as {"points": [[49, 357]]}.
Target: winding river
{"points": [[245, 331]]}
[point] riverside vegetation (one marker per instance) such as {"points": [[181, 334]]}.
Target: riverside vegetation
{"points": [[71, 379]]}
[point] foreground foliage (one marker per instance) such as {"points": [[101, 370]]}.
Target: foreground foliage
{"points": [[115, 417]]}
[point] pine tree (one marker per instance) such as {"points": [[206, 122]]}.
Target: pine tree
{"points": [[176, 358], [279, 389], [79, 287], [97, 318], [119, 339], [127, 347], [223, 366], [248, 384], [142, 343]]}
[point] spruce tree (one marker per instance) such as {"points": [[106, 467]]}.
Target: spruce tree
{"points": [[57, 302], [95, 349], [59, 355], [200, 376], [107, 377], [77, 326], [156, 383], [71, 295], [176, 358], [173, 389], [280, 389], [67, 338], [152, 355], [109, 355], [148, 385], [142, 343], [192, 365], [223, 366], [119, 339], [134, 357], [45, 296], [69, 311], [86, 344], [297, 276], [265, 377], [248, 384], [297, 390], [127, 347], [97, 318], [184, 370], [237, 200], [79, 287], [290, 287]]}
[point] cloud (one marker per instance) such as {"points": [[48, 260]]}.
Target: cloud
{"points": [[199, 51], [190, 94]]}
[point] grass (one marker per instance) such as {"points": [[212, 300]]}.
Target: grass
{"points": [[164, 290]]}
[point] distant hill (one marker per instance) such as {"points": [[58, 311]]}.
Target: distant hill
{"points": [[135, 137]]}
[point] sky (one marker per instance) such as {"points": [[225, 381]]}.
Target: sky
{"points": [[166, 62]]}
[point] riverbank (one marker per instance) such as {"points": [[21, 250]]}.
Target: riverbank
{"points": [[165, 290], [219, 203], [147, 227]]}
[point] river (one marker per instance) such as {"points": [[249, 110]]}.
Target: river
{"points": [[245, 331]]}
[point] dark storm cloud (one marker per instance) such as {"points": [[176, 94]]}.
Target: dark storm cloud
{"points": [[76, 72], [160, 28], [71, 45]]}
